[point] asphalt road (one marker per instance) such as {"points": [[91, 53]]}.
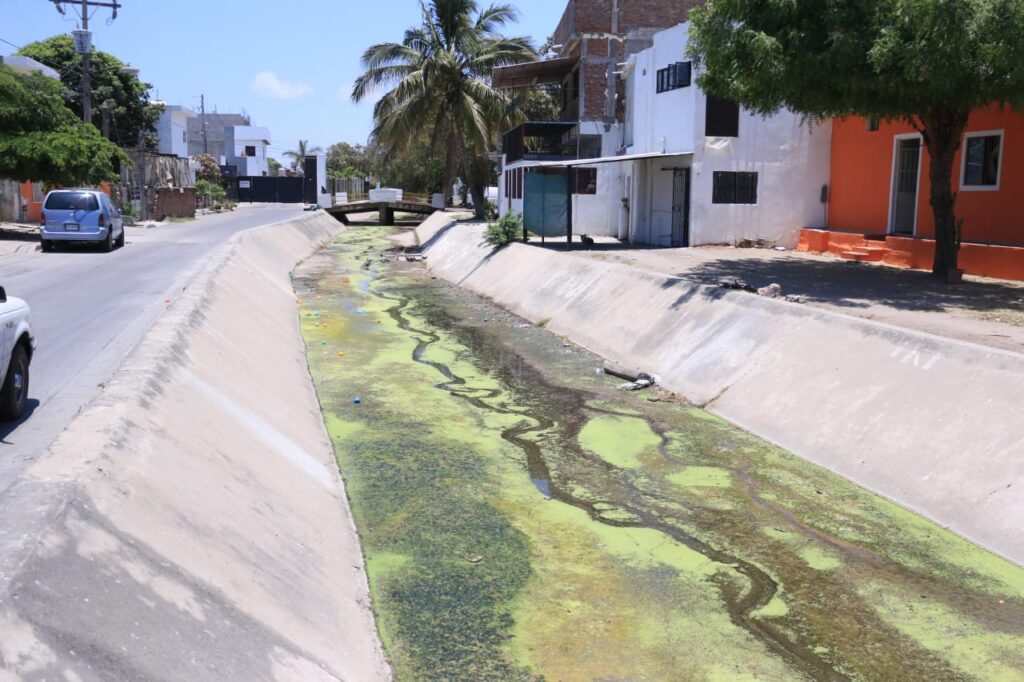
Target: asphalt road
{"points": [[89, 309]]}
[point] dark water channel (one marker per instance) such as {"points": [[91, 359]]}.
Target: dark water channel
{"points": [[523, 518]]}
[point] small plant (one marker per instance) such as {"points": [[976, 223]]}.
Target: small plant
{"points": [[506, 230]]}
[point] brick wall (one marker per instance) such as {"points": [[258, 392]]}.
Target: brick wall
{"points": [[637, 20], [173, 202]]}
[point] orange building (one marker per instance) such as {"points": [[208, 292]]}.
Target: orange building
{"points": [[879, 208]]}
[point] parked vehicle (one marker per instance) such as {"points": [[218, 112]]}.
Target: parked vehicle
{"points": [[80, 215], [17, 346]]}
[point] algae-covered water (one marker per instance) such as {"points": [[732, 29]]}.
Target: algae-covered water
{"points": [[523, 519]]}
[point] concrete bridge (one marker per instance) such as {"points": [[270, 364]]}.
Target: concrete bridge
{"points": [[385, 209]]}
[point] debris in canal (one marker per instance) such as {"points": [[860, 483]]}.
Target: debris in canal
{"points": [[624, 539]]}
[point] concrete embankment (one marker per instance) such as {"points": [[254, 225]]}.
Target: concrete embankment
{"points": [[932, 423], [191, 523]]}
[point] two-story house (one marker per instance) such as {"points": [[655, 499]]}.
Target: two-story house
{"points": [[592, 40], [698, 169], [245, 148]]}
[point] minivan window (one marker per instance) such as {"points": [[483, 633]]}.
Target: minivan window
{"points": [[72, 201]]}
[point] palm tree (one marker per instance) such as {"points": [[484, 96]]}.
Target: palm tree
{"points": [[439, 80], [298, 155]]}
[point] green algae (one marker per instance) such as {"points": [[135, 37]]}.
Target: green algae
{"points": [[820, 559], [522, 519], [701, 477], [975, 651], [619, 440]]}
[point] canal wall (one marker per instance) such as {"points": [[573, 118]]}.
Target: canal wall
{"points": [[929, 422], [191, 523]]}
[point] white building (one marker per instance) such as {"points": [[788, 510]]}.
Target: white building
{"points": [[245, 148], [704, 171], [172, 130]]}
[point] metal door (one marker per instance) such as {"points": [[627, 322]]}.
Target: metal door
{"points": [[546, 202], [904, 204], [681, 207]]}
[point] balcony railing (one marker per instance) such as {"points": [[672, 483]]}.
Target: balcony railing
{"points": [[549, 141]]}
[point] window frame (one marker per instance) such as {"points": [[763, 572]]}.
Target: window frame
{"points": [[667, 78], [245, 151], [578, 174], [1001, 134], [732, 199]]}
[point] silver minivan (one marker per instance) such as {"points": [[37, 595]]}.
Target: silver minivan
{"points": [[80, 215]]}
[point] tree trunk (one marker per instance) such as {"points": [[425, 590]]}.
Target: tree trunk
{"points": [[466, 162], [449, 170], [942, 131]]}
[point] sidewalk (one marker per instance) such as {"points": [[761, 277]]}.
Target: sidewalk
{"points": [[981, 310]]}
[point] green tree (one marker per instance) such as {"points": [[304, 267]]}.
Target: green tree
{"points": [[274, 166], [927, 62], [439, 82], [419, 168], [131, 113], [41, 140], [348, 161], [299, 154]]}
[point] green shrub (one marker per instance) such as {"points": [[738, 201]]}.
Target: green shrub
{"points": [[506, 230]]}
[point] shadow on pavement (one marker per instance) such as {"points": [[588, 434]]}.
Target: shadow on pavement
{"points": [[855, 285], [7, 428]]}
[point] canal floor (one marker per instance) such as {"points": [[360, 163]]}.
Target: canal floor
{"points": [[523, 518]]}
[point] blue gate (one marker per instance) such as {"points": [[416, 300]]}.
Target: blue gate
{"points": [[546, 208]]}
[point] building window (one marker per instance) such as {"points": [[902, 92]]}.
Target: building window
{"points": [[250, 150], [674, 76], [981, 156], [722, 117], [873, 123], [586, 181], [734, 188], [590, 146]]}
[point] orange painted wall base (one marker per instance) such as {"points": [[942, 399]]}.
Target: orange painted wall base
{"points": [[985, 260]]}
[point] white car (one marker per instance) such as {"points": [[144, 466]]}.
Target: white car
{"points": [[16, 348]]}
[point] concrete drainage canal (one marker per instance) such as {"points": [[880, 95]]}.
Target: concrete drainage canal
{"points": [[523, 519]]}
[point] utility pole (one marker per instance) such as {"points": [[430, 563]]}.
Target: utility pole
{"points": [[202, 110], [83, 44]]}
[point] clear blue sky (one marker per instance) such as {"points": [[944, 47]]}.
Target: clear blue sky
{"points": [[288, 63]]}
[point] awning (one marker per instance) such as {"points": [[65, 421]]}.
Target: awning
{"points": [[613, 159], [533, 73]]}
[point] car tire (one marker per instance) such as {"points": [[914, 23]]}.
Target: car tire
{"points": [[47, 245], [108, 243], [14, 392], [120, 239]]}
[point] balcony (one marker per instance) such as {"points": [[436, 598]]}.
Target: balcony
{"points": [[549, 141]]}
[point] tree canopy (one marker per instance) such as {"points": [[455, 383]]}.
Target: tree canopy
{"points": [[926, 62], [438, 82], [345, 160], [42, 140], [111, 81]]}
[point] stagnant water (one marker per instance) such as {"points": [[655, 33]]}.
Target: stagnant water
{"points": [[524, 519]]}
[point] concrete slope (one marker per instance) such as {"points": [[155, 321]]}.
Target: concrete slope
{"points": [[932, 423], [191, 523]]}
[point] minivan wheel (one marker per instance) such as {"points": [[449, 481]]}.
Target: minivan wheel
{"points": [[14, 392], [120, 239], [108, 243], [47, 245]]}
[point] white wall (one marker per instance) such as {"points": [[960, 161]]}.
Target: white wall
{"points": [[790, 157], [237, 138], [172, 131]]}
